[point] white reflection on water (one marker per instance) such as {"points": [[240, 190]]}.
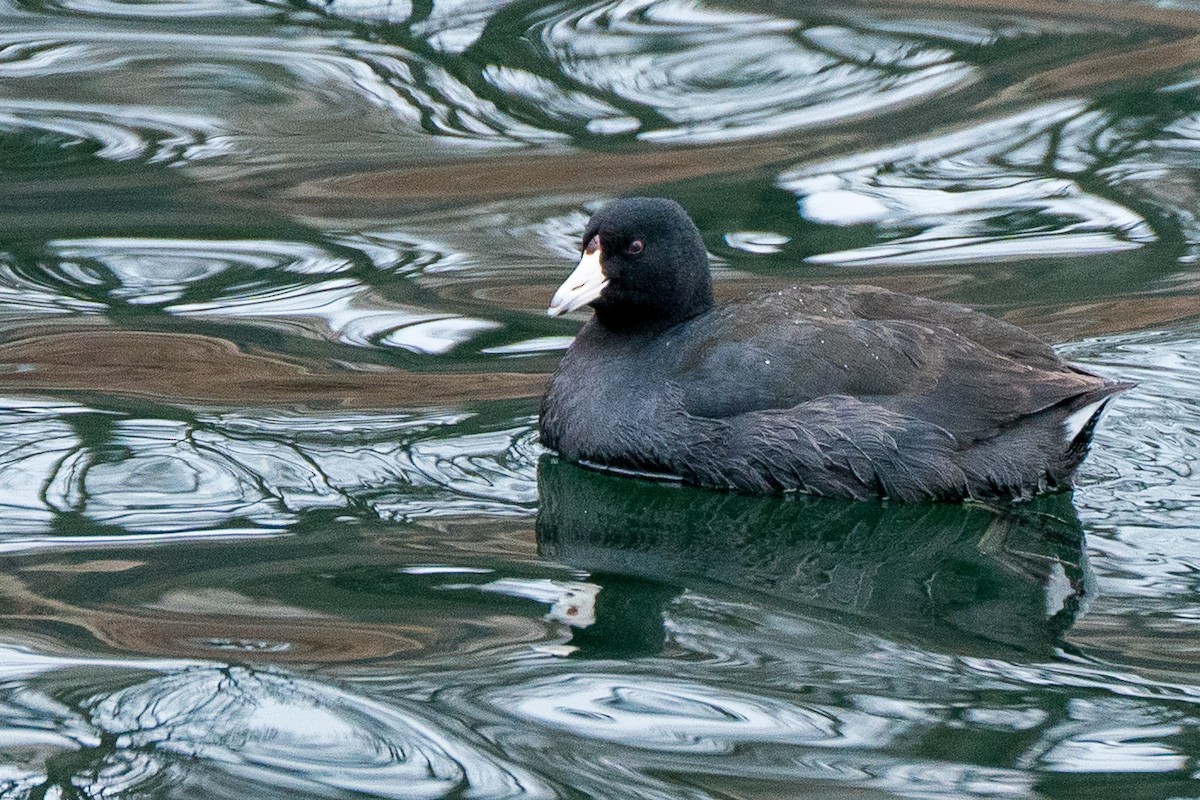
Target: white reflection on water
{"points": [[1113, 736], [170, 478], [708, 71], [19, 662], [668, 71], [857, 700], [294, 734], [450, 26], [566, 105], [217, 728], [346, 311], [157, 271], [717, 74], [159, 9], [272, 283], [34, 440], [677, 716], [224, 470], [36, 542], [119, 132], [229, 474], [25, 293], [204, 114], [757, 242], [529, 347], [437, 336], [1139, 490], [976, 194], [818, 702]]}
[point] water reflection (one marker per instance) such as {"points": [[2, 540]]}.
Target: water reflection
{"points": [[113, 132], [1016, 575], [683, 717], [212, 729], [982, 193], [156, 9], [676, 71], [660, 71], [1141, 501], [289, 735], [979, 193], [690, 72], [281, 285], [64, 464]]}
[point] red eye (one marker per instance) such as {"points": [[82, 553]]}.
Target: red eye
{"points": [[635, 247]]}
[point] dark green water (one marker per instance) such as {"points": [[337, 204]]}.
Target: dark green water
{"points": [[274, 521]]}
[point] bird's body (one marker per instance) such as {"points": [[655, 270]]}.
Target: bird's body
{"points": [[844, 391]]}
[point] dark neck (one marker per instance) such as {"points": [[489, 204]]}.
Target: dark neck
{"points": [[632, 319]]}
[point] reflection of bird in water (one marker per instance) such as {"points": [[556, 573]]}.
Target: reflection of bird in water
{"points": [[846, 391], [1013, 576]]}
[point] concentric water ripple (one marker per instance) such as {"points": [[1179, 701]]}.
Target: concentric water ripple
{"points": [[374, 84], [715, 74], [663, 71], [286, 733], [842, 707], [675, 716], [216, 728]]}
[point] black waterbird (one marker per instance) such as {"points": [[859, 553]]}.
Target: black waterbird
{"points": [[850, 391]]}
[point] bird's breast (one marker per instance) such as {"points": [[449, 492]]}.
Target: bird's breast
{"points": [[605, 410]]}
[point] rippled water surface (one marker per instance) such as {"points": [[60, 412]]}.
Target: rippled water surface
{"points": [[274, 519]]}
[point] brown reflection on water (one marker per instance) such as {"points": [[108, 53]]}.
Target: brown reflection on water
{"points": [[99, 565], [1081, 320], [1142, 13], [1110, 70], [241, 610], [441, 539], [217, 623], [202, 369], [522, 174], [168, 632], [1144, 60], [1162, 645], [1053, 322]]}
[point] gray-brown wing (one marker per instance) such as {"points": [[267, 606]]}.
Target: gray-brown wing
{"points": [[944, 364]]}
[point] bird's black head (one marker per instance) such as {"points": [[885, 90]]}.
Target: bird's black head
{"points": [[643, 266]]}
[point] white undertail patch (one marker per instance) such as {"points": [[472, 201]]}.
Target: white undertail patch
{"points": [[1078, 420]]}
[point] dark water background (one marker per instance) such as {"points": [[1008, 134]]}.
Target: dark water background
{"points": [[274, 521]]}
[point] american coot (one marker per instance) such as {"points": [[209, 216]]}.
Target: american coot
{"points": [[849, 391]]}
